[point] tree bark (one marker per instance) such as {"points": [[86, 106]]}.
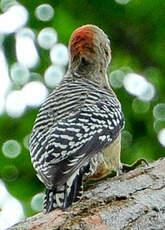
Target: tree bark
{"points": [[134, 201]]}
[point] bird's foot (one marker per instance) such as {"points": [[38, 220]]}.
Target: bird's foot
{"points": [[126, 168]]}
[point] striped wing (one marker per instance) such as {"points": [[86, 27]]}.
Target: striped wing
{"points": [[74, 140]]}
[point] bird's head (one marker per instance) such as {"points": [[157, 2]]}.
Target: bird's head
{"points": [[89, 49]]}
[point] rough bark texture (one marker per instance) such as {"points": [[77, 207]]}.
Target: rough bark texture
{"points": [[135, 200]]}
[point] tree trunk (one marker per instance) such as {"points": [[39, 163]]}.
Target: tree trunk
{"points": [[135, 200]]}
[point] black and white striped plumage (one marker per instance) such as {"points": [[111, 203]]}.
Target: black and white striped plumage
{"points": [[76, 122], [74, 126]]}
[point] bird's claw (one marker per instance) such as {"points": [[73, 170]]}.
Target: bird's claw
{"points": [[126, 168]]}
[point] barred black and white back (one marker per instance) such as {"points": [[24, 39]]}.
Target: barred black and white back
{"points": [[76, 122]]}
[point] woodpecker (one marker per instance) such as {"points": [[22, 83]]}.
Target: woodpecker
{"points": [[77, 132]]}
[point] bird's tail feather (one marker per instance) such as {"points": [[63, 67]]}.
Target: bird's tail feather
{"points": [[50, 203], [63, 196]]}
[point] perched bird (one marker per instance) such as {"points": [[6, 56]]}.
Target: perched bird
{"points": [[77, 132]]}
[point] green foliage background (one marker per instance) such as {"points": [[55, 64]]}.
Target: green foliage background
{"points": [[137, 34]]}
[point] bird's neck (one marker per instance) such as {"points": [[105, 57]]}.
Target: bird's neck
{"points": [[98, 77]]}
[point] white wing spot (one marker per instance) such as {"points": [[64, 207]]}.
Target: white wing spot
{"points": [[102, 138]]}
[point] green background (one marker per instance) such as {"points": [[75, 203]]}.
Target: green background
{"points": [[137, 34]]}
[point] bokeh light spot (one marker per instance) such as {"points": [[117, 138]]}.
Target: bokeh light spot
{"points": [[25, 48], [158, 125], [6, 4], [47, 38], [9, 173], [159, 111], [11, 209], [11, 148], [53, 76], [139, 86], [44, 12], [19, 73], [161, 137], [116, 78], [15, 104], [126, 69], [37, 201], [5, 81], [13, 19], [148, 93], [59, 54], [134, 84], [34, 93], [140, 106], [122, 1], [26, 32]]}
